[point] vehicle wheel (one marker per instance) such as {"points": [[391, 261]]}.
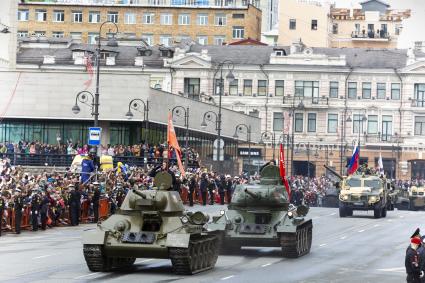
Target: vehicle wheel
{"points": [[377, 212], [96, 259], [349, 212], [342, 211], [299, 243], [384, 212], [412, 206]]}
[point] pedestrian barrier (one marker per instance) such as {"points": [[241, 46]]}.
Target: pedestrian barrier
{"points": [[103, 208]]}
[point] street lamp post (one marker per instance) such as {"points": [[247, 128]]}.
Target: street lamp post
{"points": [[83, 97], [269, 135], [248, 138], [176, 112], [300, 106], [134, 104], [208, 117]]}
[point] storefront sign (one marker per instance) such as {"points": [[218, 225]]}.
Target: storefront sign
{"points": [[255, 152]]}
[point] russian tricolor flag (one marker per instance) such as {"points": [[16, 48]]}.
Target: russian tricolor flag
{"points": [[353, 165]]}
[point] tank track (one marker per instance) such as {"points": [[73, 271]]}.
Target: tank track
{"points": [[98, 262], [201, 255], [299, 243]]}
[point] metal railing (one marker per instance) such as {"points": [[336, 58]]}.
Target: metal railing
{"points": [[370, 34], [379, 138]]}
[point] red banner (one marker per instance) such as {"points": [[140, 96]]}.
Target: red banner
{"points": [[282, 170]]}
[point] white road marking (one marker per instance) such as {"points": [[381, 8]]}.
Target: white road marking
{"points": [[332, 214], [87, 275], [322, 245], [376, 225], [228, 277], [343, 237], [361, 231], [42, 256], [401, 216], [146, 260], [390, 220], [395, 269], [267, 264]]}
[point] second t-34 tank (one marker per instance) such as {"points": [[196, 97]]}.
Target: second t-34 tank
{"points": [[261, 215], [152, 224]]}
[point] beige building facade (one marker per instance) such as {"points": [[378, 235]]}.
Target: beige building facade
{"points": [[155, 24]]}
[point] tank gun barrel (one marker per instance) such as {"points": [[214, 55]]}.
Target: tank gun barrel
{"points": [[252, 194], [139, 193]]}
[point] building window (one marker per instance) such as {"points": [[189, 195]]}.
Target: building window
{"points": [[217, 84], [333, 89], [183, 37], [420, 126], [94, 17], [91, 38], [352, 90], [58, 34], [277, 121], [202, 39], [335, 28], [184, 19], [40, 33], [366, 90], [202, 19], [262, 87], [77, 16], [76, 35], [279, 88], [372, 124], [380, 90], [311, 122], [220, 20], [309, 89], [148, 18], [40, 15], [247, 87], [387, 127], [299, 122], [219, 40], [166, 19], [238, 16], [313, 24], [58, 16], [332, 123], [22, 33], [113, 17], [148, 38], [233, 87], [130, 18], [192, 87], [395, 91], [420, 95], [166, 40], [293, 24], [357, 123], [23, 15], [238, 32]]}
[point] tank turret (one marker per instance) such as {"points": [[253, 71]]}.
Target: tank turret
{"points": [[152, 223], [260, 215]]}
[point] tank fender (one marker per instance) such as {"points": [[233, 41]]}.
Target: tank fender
{"points": [[176, 240], [217, 226], [286, 227], [94, 237]]}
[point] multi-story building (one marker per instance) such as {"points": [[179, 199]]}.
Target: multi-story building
{"points": [[318, 101], [157, 22], [375, 25], [8, 34], [319, 24]]}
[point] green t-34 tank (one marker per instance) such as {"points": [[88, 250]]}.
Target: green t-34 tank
{"points": [[152, 224], [261, 215]]}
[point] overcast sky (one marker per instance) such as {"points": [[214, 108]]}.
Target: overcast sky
{"points": [[414, 27]]}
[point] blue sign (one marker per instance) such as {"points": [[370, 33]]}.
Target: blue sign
{"points": [[94, 136]]}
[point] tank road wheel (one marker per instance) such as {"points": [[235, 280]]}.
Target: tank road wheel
{"points": [[95, 258], [201, 255], [299, 243]]}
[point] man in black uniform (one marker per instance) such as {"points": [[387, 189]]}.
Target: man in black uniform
{"points": [[2, 208], [192, 188], [35, 209], [18, 206], [211, 188], [221, 188], [421, 252], [95, 200], [44, 208], [412, 262], [204, 187], [74, 205]]}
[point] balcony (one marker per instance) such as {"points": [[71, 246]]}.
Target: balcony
{"points": [[307, 101], [162, 3], [370, 36], [379, 138]]}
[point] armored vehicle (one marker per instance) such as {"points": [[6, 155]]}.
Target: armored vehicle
{"points": [[413, 199], [152, 223], [261, 215], [364, 192]]}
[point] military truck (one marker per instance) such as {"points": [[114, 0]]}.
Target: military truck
{"points": [[413, 199], [364, 192], [154, 224], [260, 214]]}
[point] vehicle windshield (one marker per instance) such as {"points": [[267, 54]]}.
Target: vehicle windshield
{"points": [[374, 184], [354, 182]]}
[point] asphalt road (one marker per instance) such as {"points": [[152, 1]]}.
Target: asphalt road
{"points": [[353, 249]]}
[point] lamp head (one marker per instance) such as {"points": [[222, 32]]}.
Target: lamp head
{"points": [[76, 109], [129, 115], [235, 136], [349, 119], [5, 30], [301, 105], [204, 124], [230, 77], [112, 42]]}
